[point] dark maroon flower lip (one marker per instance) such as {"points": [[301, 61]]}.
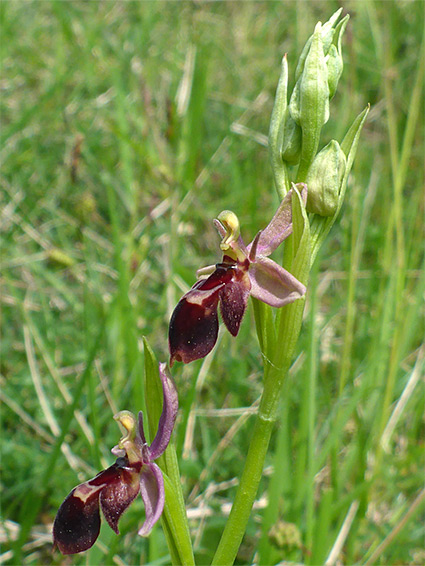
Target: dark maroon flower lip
{"points": [[243, 271], [77, 523], [193, 326]]}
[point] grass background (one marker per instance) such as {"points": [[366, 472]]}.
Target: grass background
{"points": [[128, 126]]}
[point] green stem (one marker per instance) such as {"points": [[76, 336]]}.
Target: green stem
{"points": [[252, 474], [310, 399]]}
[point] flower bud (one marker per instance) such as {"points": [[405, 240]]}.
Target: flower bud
{"points": [[309, 100], [291, 140], [334, 61], [324, 180], [327, 32], [334, 65], [309, 104]]}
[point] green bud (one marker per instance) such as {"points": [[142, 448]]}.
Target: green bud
{"points": [[309, 97], [324, 180], [329, 29], [320, 225], [314, 90], [291, 143], [334, 65], [334, 61], [309, 104]]}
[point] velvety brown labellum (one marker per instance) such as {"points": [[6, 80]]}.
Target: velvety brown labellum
{"points": [[77, 523], [194, 323]]}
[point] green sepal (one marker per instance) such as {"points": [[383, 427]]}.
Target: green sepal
{"points": [[153, 391]]}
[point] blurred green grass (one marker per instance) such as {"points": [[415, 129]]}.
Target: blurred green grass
{"points": [[127, 127]]}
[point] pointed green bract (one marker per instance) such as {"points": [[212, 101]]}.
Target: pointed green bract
{"points": [[301, 236], [277, 122]]}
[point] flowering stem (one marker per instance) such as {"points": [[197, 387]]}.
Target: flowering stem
{"points": [[245, 496], [277, 363], [252, 474]]}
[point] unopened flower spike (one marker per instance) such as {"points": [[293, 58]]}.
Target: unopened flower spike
{"points": [[77, 523], [243, 271]]}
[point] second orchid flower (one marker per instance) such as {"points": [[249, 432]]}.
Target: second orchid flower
{"points": [[77, 523]]}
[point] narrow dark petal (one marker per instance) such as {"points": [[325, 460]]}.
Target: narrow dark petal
{"points": [[233, 301], [120, 490], [170, 407], [253, 247], [194, 323], [279, 227], [77, 523], [141, 427], [153, 495]]}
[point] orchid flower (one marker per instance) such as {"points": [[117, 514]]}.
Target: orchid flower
{"points": [[77, 523], [243, 271]]}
